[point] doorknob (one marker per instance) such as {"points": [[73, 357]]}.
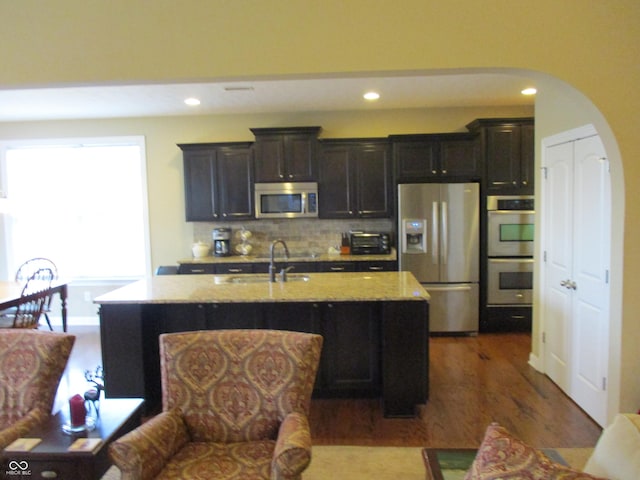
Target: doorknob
{"points": [[564, 283]]}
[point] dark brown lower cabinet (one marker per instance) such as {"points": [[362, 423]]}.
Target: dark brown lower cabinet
{"points": [[371, 349]]}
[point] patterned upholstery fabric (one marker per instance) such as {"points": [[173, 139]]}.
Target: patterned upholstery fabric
{"points": [[31, 364], [502, 456], [235, 406]]}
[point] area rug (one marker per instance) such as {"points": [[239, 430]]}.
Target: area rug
{"points": [[379, 463]]}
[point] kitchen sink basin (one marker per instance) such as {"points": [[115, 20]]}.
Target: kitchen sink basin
{"points": [[291, 277]]}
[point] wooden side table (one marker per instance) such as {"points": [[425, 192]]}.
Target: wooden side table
{"points": [[51, 457]]}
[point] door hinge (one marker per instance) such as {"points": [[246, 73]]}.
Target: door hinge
{"points": [[544, 256], [604, 383], [606, 276], [544, 172], [544, 337]]}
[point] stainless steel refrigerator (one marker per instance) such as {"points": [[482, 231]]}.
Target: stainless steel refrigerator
{"points": [[438, 241]]}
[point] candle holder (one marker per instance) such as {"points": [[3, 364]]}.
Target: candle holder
{"points": [[78, 419]]}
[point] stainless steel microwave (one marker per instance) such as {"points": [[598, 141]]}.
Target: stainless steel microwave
{"points": [[286, 200]]}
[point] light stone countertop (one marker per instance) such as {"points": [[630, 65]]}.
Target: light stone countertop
{"points": [[324, 257], [320, 287]]}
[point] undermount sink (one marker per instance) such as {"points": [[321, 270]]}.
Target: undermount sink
{"points": [[291, 277]]}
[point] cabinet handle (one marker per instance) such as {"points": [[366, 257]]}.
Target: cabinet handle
{"points": [[337, 269], [224, 214], [281, 176], [215, 215], [197, 270], [290, 176], [444, 172], [49, 474], [235, 270], [434, 172], [374, 268], [514, 182], [524, 182]]}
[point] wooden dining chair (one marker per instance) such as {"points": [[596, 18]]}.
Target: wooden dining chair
{"points": [[36, 294], [28, 268]]}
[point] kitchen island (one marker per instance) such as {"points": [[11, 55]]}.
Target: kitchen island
{"points": [[374, 324]]}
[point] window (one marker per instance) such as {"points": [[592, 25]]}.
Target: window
{"points": [[81, 203]]}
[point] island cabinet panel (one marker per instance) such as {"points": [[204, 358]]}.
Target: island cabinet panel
{"points": [[124, 351], [405, 331], [221, 316], [370, 348], [351, 359]]}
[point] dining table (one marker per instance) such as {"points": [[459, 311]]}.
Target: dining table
{"points": [[11, 296]]}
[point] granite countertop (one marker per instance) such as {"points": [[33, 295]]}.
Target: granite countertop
{"points": [[324, 257], [320, 287]]}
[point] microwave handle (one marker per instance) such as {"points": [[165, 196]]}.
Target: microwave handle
{"points": [[304, 202], [444, 218]]}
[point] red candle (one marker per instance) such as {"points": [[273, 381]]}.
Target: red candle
{"points": [[77, 410]]}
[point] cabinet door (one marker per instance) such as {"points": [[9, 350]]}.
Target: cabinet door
{"points": [[527, 162], [199, 169], [415, 160], [285, 157], [300, 155], [373, 181], [233, 183], [269, 158], [503, 158], [336, 187], [458, 158], [351, 349]]}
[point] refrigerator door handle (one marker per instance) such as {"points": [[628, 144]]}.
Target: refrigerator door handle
{"points": [[444, 218], [435, 254]]}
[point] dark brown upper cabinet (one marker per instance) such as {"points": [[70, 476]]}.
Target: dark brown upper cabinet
{"points": [[436, 157], [285, 154], [354, 179], [218, 181], [507, 146]]}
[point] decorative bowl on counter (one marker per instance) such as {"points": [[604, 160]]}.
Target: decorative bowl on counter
{"points": [[200, 249]]}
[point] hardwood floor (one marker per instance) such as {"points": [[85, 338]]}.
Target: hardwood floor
{"points": [[473, 381]]}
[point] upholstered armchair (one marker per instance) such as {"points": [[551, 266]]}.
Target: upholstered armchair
{"points": [[31, 364], [235, 406]]}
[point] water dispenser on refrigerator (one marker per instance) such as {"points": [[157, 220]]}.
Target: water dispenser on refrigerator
{"points": [[414, 235]]}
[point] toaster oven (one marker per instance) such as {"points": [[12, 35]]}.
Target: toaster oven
{"points": [[363, 243]]}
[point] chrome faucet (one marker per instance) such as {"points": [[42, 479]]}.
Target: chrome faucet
{"points": [[272, 265]]}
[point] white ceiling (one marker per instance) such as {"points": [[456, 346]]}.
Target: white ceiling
{"points": [[264, 96]]}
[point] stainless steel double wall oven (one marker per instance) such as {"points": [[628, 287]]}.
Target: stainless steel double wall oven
{"points": [[510, 236]]}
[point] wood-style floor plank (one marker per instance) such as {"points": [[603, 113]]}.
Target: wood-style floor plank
{"points": [[473, 381]]}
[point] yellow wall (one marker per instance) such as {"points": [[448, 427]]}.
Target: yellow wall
{"points": [[592, 45]]}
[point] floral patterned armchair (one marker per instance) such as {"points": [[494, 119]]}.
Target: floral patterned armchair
{"points": [[235, 406], [31, 364]]}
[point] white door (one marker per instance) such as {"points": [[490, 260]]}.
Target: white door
{"points": [[575, 301], [591, 252], [558, 227]]}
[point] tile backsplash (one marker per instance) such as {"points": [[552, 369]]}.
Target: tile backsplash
{"points": [[303, 236]]}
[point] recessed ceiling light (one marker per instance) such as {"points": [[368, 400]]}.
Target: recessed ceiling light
{"points": [[192, 101], [371, 96], [529, 91]]}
